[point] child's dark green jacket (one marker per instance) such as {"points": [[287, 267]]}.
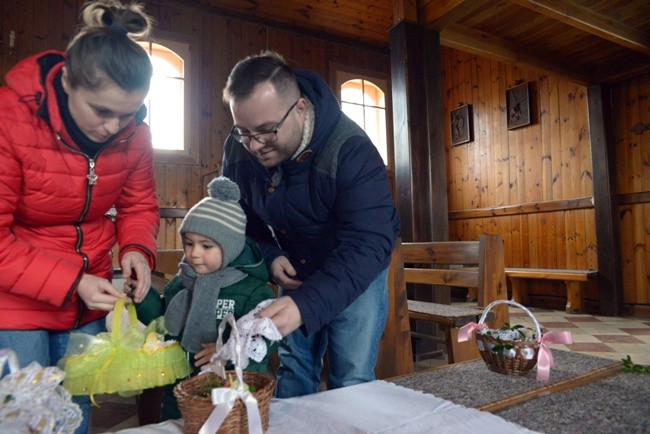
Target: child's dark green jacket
{"points": [[238, 299]]}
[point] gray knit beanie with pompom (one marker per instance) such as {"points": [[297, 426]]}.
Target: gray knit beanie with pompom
{"points": [[220, 218]]}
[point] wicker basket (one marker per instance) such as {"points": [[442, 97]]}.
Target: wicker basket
{"points": [[195, 408], [525, 352]]}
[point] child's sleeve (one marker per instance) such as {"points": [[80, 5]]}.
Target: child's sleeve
{"points": [[154, 304], [151, 307]]}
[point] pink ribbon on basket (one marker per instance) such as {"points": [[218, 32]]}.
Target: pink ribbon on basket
{"points": [[224, 400], [544, 357], [467, 331]]}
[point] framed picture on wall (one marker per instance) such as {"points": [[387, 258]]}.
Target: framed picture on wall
{"points": [[461, 125], [518, 106]]}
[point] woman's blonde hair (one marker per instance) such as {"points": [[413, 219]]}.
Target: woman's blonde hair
{"points": [[105, 47]]}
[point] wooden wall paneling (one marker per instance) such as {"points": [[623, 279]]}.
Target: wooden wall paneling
{"points": [[545, 121], [506, 229], [41, 27], [581, 245], [471, 93], [641, 235], [560, 248], [483, 130], [502, 159], [71, 20], [626, 215], [590, 237], [642, 293], [607, 223], [631, 96], [643, 134], [216, 63], [556, 230], [534, 234], [8, 19], [570, 236], [26, 35]]}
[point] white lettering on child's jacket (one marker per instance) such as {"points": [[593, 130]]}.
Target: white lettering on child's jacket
{"points": [[225, 306]]}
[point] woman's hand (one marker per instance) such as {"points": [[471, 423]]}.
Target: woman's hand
{"points": [[97, 293], [134, 263]]}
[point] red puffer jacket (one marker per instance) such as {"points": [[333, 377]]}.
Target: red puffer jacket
{"points": [[54, 200]]}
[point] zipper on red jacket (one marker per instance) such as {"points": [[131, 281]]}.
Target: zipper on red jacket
{"points": [[92, 180]]}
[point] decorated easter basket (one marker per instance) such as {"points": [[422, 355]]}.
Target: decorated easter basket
{"points": [[32, 399], [196, 406], [208, 407], [125, 360], [509, 356]]}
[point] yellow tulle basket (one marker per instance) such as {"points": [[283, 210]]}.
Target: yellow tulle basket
{"points": [[124, 360]]}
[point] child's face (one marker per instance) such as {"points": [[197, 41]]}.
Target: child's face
{"points": [[202, 253]]}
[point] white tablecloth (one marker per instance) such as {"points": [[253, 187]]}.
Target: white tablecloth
{"points": [[375, 407]]}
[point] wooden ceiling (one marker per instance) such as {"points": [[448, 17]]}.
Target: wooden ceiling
{"points": [[587, 41]]}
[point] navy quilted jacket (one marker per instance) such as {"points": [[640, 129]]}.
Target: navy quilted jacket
{"points": [[330, 210]]}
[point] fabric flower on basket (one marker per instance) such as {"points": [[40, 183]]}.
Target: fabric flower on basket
{"points": [[514, 350], [32, 399]]}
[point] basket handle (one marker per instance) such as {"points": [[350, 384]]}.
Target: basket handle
{"points": [[8, 356], [117, 317], [217, 365], [538, 329]]}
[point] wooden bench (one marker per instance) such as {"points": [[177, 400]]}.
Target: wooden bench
{"points": [[574, 281], [486, 274]]}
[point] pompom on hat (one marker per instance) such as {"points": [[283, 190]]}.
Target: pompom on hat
{"points": [[220, 218]]}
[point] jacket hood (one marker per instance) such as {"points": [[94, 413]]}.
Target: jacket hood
{"points": [[28, 78], [325, 104], [251, 261]]}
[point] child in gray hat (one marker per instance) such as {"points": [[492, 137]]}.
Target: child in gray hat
{"points": [[222, 271]]}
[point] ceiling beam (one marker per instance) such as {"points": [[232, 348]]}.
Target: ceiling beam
{"points": [[483, 44], [404, 10], [589, 21], [438, 14]]}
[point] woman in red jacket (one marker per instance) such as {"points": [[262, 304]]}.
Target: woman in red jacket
{"points": [[72, 148]]}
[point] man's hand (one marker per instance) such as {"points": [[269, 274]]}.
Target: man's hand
{"points": [[134, 263], [284, 313], [97, 293], [282, 273]]}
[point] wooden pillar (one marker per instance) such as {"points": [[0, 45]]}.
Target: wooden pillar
{"points": [[420, 162], [610, 277]]}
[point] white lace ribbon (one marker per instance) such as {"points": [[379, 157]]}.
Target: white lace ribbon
{"points": [[225, 399]]}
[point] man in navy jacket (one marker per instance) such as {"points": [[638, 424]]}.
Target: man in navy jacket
{"points": [[318, 202]]}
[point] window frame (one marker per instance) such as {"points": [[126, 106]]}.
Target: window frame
{"points": [[191, 154], [340, 73]]}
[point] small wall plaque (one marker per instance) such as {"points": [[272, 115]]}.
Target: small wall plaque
{"points": [[518, 106], [461, 125]]}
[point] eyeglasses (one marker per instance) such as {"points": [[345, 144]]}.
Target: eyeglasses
{"points": [[263, 137]]}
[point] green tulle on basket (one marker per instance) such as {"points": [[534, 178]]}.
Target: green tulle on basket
{"points": [[125, 361]]}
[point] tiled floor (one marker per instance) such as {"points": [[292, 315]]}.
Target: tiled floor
{"points": [[610, 337]]}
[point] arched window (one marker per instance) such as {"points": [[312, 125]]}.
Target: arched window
{"points": [[166, 99], [363, 98]]}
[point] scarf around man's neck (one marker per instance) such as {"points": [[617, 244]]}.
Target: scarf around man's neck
{"points": [[192, 311]]}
